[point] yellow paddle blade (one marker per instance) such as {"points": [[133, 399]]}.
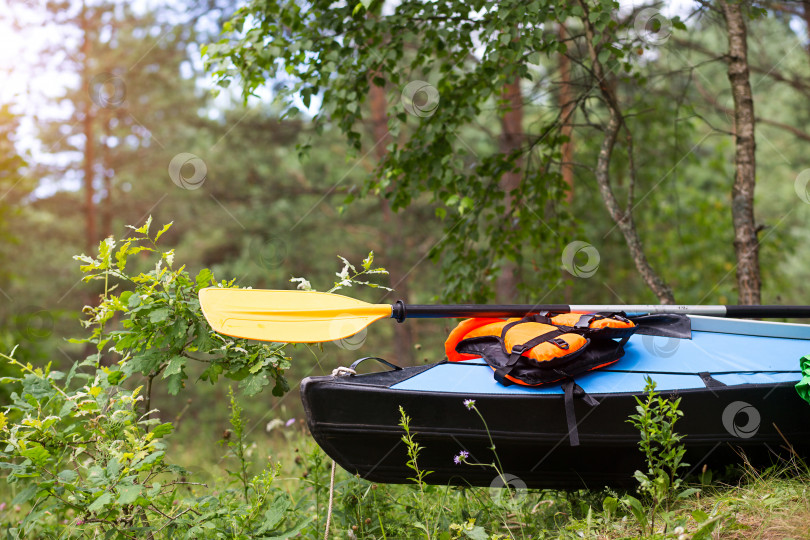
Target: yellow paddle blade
{"points": [[289, 316]]}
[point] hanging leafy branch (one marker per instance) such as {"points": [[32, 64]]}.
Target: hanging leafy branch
{"points": [[461, 55]]}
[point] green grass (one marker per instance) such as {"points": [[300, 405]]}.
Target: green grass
{"points": [[754, 504]]}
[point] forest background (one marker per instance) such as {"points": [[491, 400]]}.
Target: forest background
{"points": [[545, 152]]}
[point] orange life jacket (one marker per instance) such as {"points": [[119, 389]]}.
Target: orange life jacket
{"points": [[543, 348]]}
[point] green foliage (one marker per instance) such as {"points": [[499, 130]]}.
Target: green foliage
{"points": [[84, 460], [663, 452], [83, 454], [84, 450], [162, 326], [339, 52], [413, 448], [234, 439]]}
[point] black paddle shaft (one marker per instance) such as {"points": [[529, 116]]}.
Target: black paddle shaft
{"points": [[400, 311], [765, 312]]}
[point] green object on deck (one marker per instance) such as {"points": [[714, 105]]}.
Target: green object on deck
{"points": [[803, 386]]}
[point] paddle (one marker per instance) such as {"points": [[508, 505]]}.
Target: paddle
{"points": [[311, 317]]}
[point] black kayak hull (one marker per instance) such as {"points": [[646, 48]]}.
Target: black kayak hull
{"points": [[355, 421]]}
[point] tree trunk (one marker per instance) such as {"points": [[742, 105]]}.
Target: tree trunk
{"points": [[87, 124], [392, 228], [746, 243], [565, 100], [806, 17], [511, 139], [623, 218], [107, 212], [566, 104]]}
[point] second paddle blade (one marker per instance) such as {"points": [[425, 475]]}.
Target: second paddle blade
{"points": [[287, 316]]}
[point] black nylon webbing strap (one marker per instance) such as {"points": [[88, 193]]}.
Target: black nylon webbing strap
{"points": [[570, 415], [572, 390], [514, 356], [507, 326], [548, 336], [709, 381], [500, 376]]}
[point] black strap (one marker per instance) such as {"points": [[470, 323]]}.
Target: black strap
{"points": [[570, 415], [572, 390], [393, 367], [709, 381], [548, 336], [500, 376], [608, 370], [519, 349], [692, 372], [507, 326]]}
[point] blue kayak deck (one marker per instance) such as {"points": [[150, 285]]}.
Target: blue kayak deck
{"points": [[732, 359]]}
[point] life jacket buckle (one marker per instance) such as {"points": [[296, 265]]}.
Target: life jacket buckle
{"points": [[517, 351], [561, 343]]}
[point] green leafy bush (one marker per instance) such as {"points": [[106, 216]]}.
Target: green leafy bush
{"points": [[85, 453]]}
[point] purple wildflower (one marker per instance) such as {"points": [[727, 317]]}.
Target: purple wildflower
{"points": [[289, 422], [462, 456], [469, 403]]}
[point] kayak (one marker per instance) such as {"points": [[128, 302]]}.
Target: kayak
{"points": [[735, 379]]}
